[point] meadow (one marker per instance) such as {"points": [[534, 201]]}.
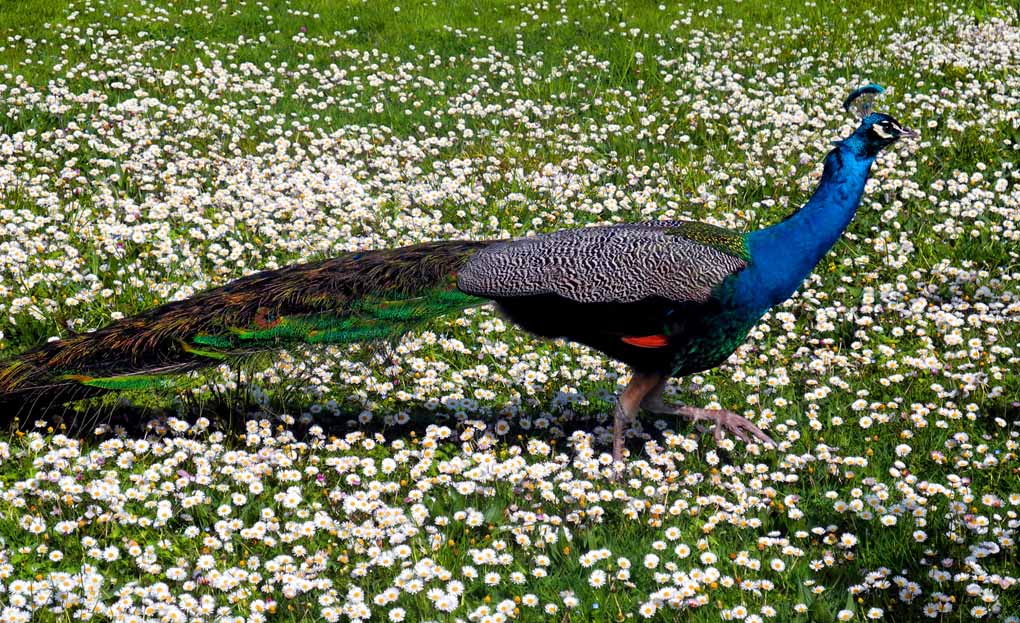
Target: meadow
{"points": [[150, 150]]}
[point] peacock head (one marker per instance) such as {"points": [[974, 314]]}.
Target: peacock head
{"points": [[877, 130]]}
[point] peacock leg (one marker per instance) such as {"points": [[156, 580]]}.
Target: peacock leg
{"points": [[739, 426], [627, 405]]}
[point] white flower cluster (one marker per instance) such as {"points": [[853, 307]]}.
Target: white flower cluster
{"points": [[140, 164]]}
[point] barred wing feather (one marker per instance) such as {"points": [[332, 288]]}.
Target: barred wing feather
{"points": [[674, 260]]}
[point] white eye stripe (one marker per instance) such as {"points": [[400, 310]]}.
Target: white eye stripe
{"points": [[879, 130]]}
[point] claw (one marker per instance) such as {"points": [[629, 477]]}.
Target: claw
{"points": [[738, 426]]}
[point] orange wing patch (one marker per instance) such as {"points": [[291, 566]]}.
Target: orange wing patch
{"points": [[647, 341]]}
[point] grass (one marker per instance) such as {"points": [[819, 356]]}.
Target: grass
{"points": [[528, 117]]}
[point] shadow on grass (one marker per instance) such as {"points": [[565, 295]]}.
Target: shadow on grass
{"points": [[95, 414], [104, 413]]}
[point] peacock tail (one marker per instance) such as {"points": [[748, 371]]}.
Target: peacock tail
{"points": [[355, 297]]}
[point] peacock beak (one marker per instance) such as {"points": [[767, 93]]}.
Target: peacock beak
{"points": [[908, 133]]}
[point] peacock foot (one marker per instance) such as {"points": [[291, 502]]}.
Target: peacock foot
{"points": [[738, 426], [627, 405], [621, 420]]}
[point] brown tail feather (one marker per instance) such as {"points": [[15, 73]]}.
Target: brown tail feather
{"points": [[156, 341]]}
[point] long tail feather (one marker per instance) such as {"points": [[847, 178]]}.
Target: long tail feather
{"points": [[355, 297]]}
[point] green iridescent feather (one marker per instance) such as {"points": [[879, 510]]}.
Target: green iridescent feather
{"points": [[125, 382], [719, 238], [370, 319]]}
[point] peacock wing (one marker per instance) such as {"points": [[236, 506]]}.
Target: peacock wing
{"points": [[676, 261]]}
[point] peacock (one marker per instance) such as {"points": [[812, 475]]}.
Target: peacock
{"points": [[668, 298]]}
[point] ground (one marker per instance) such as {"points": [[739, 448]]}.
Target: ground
{"points": [[150, 150]]}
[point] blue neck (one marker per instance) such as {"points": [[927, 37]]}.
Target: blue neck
{"points": [[783, 255]]}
